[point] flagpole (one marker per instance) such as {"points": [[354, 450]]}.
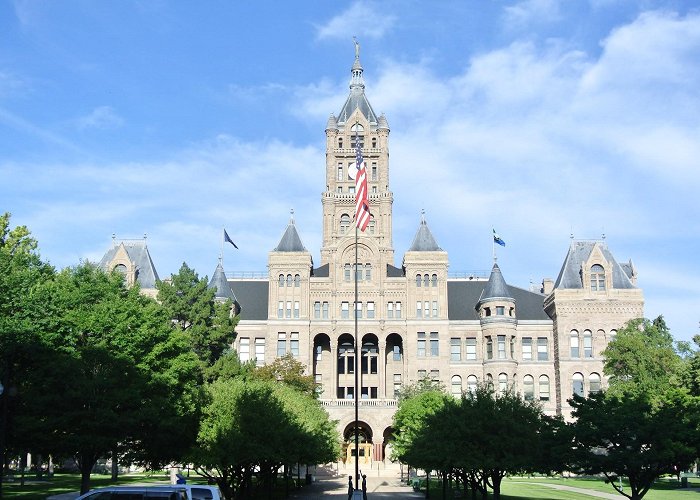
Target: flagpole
{"points": [[357, 391], [221, 255], [493, 246]]}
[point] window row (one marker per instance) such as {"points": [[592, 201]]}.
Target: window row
{"points": [[362, 272], [348, 392], [423, 309], [426, 280], [499, 311], [288, 312], [583, 344], [355, 139], [289, 280], [369, 359], [504, 348], [346, 220], [321, 310], [428, 345], [244, 350]]}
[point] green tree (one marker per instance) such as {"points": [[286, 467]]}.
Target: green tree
{"points": [[114, 375], [193, 310], [634, 436], [642, 359], [289, 371], [252, 428]]}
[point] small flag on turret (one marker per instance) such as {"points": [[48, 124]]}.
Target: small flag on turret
{"points": [[228, 239], [497, 239]]}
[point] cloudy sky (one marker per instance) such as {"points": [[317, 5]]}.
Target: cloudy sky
{"points": [[540, 118]]}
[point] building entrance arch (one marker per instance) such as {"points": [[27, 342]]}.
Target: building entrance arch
{"points": [[365, 442]]}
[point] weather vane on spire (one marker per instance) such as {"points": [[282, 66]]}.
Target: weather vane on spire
{"points": [[357, 47]]}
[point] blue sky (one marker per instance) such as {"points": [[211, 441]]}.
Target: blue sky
{"points": [[541, 118]]}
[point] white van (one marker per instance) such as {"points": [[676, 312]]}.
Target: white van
{"points": [[166, 492], [173, 492]]}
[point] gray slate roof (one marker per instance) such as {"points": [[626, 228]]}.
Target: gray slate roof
{"points": [[290, 242], [424, 240], [252, 298], [464, 296], [138, 253], [579, 252], [219, 283], [495, 287], [394, 272], [320, 272]]}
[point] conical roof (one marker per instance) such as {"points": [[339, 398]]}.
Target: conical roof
{"points": [[424, 240], [290, 242], [496, 287], [219, 283]]}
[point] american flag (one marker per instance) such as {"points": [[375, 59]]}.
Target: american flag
{"points": [[362, 214]]}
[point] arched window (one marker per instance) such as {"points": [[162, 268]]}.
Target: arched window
{"points": [[456, 386], [489, 348], [289, 280], [344, 223], [121, 269], [594, 383], [577, 384], [528, 387], [426, 281], [574, 344], [597, 278], [297, 281], [472, 383], [434, 280], [281, 280], [587, 344], [374, 142], [502, 382], [489, 381], [613, 334], [418, 280], [544, 388]]}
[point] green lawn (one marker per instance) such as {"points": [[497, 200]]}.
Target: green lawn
{"points": [[65, 483], [523, 488]]}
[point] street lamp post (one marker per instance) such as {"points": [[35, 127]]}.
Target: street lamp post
{"points": [[3, 402]]}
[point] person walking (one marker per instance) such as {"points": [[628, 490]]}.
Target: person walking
{"points": [[364, 487], [350, 488]]}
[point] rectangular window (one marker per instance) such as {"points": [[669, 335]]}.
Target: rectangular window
{"points": [[374, 190], [259, 351], [373, 365], [435, 376], [426, 309], [244, 349], [456, 349], [280, 309], [374, 171], [489, 348], [317, 310], [296, 308], [325, 310], [358, 310], [421, 344], [527, 348], [346, 273], [434, 344], [500, 310], [289, 309], [397, 385], [358, 271], [368, 272], [501, 346], [351, 190], [574, 346], [587, 346], [422, 374], [419, 309], [471, 348], [397, 310], [351, 364], [281, 344], [344, 310], [340, 172], [340, 189], [542, 352], [370, 310], [390, 310], [435, 309], [294, 344]]}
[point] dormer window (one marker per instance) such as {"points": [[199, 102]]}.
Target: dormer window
{"points": [[597, 278]]}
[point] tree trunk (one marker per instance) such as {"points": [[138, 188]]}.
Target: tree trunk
{"points": [[115, 466], [86, 463]]}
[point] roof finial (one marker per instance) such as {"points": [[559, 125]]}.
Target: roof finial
{"points": [[422, 216], [291, 216], [357, 47], [114, 239]]}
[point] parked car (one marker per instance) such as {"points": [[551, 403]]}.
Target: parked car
{"points": [[201, 492], [174, 492]]}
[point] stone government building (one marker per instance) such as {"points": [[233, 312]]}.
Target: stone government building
{"points": [[414, 320]]}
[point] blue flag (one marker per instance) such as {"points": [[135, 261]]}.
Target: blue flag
{"points": [[497, 239], [227, 238]]}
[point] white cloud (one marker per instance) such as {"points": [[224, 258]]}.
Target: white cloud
{"points": [[527, 12], [361, 19], [102, 117]]}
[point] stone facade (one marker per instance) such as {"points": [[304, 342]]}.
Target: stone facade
{"points": [[416, 320]]}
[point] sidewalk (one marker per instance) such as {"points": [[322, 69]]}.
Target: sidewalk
{"points": [[380, 485]]}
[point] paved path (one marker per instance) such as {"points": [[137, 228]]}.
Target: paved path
{"points": [[380, 485]]}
